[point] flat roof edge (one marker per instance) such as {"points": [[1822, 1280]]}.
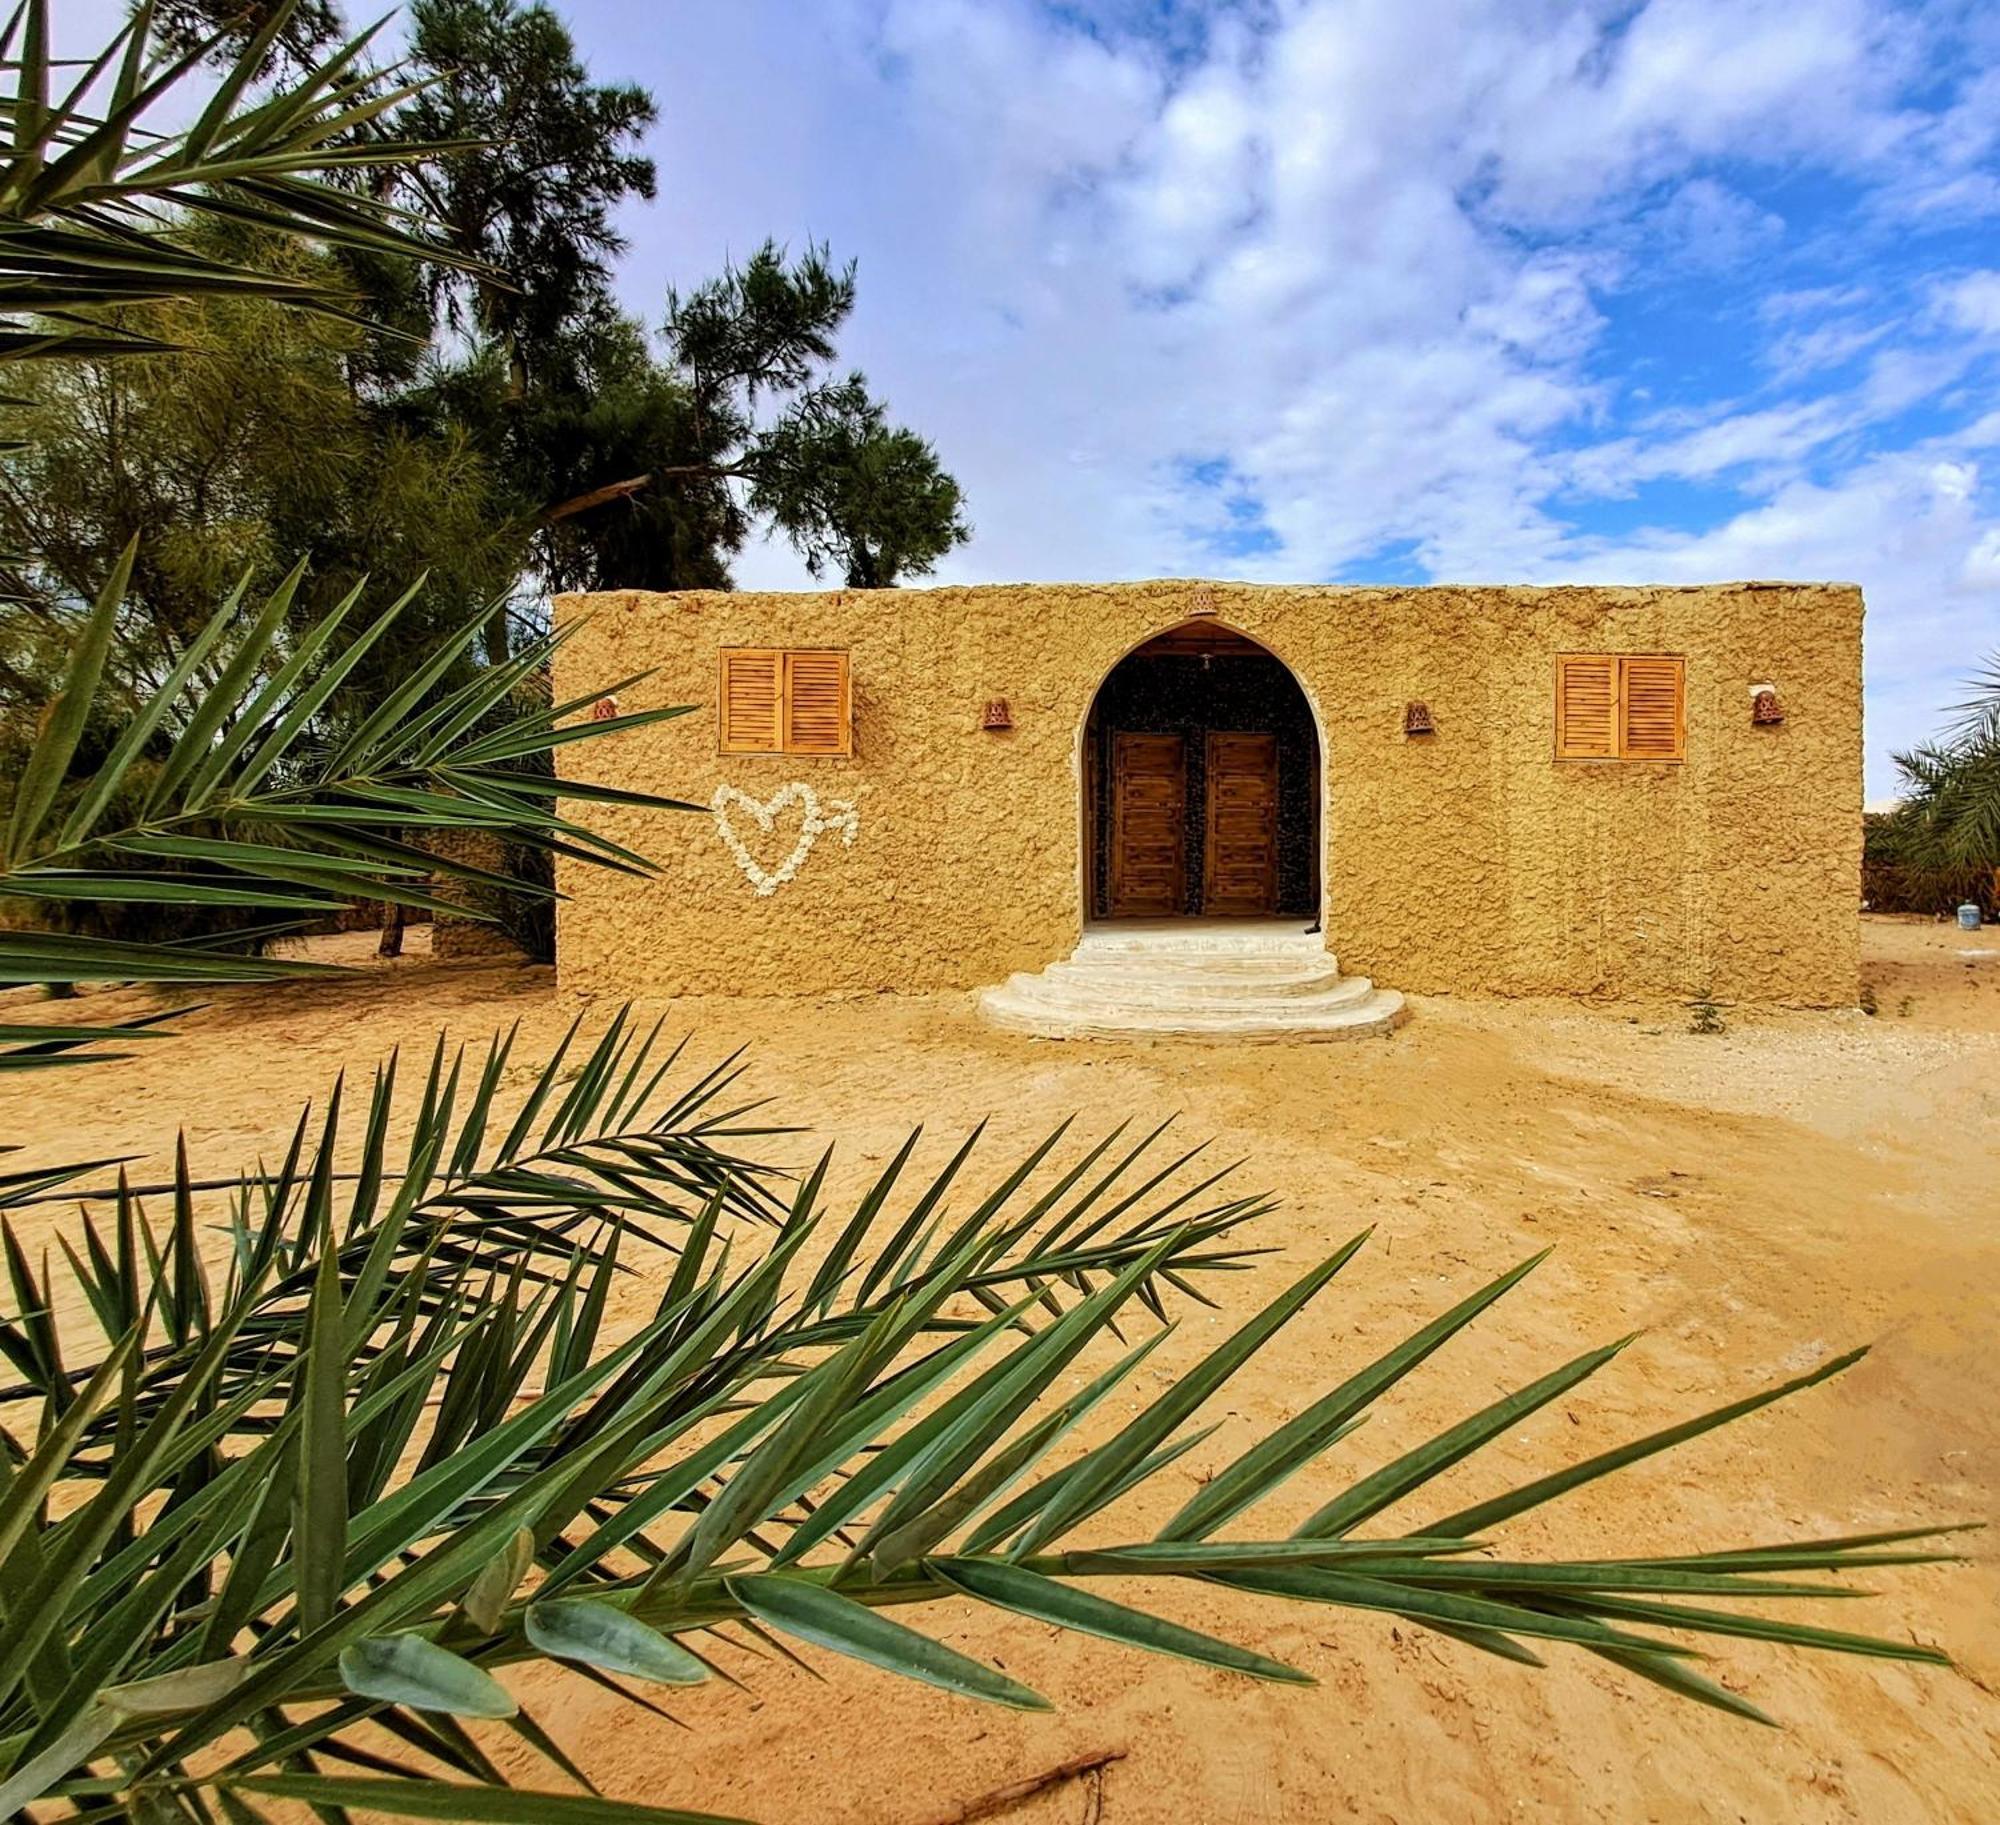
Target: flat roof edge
{"points": [[1441, 586]]}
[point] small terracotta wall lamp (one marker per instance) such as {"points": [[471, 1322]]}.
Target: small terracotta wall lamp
{"points": [[1417, 718]]}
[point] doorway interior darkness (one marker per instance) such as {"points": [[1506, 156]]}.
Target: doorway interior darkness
{"points": [[1201, 774]]}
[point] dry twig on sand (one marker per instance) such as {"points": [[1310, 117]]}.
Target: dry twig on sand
{"points": [[1002, 1798]]}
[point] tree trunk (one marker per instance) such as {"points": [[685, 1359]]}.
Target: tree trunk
{"points": [[392, 931]]}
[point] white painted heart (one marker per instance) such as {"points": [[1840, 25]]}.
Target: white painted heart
{"points": [[835, 814]]}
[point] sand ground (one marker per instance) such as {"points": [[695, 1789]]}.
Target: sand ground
{"points": [[1752, 1201]]}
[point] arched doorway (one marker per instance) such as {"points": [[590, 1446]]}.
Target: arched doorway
{"points": [[1201, 783]]}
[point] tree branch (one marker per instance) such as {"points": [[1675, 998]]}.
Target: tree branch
{"points": [[634, 484], [597, 497]]}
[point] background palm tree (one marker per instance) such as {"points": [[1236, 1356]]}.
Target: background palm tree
{"points": [[1942, 841]]}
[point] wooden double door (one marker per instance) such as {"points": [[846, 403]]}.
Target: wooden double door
{"points": [[1150, 821]]}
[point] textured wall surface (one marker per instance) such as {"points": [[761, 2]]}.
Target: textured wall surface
{"points": [[461, 939], [1471, 861]]}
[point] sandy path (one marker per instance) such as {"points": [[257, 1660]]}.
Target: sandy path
{"points": [[1752, 1201]]}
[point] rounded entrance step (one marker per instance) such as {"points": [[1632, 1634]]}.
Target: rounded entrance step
{"points": [[1195, 979]]}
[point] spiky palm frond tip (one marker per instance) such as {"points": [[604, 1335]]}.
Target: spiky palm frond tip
{"points": [[225, 788], [407, 1446], [88, 187]]}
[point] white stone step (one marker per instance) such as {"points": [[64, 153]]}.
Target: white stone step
{"points": [[1202, 938], [1199, 978], [1138, 996], [1195, 979], [1378, 1015]]}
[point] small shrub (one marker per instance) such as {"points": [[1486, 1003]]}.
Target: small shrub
{"points": [[1706, 1017], [1869, 1004]]}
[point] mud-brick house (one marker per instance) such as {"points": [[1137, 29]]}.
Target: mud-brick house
{"points": [[1173, 805]]}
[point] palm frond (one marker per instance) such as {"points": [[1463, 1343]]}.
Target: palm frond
{"points": [[1947, 825], [254, 806], [408, 1440], [1979, 714], [87, 184], [1950, 816]]}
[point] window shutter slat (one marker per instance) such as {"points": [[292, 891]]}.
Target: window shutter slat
{"points": [[751, 697], [1586, 707], [817, 717], [1654, 716]]}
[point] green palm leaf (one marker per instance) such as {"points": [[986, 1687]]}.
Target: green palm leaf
{"points": [[403, 1456], [251, 810], [85, 184]]}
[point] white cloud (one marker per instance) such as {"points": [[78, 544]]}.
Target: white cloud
{"points": [[1779, 435], [1799, 354], [1425, 282], [1603, 108], [1359, 259], [1706, 226], [1973, 302], [1981, 569]]}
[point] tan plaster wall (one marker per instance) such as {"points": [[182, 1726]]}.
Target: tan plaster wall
{"points": [[453, 936], [1470, 862]]}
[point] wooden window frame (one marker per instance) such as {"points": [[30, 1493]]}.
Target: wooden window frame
{"points": [[1620, 734], [786, 743]]}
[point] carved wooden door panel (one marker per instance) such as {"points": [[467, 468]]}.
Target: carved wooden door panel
{"points": [[1241, 871], [1148, 825]]}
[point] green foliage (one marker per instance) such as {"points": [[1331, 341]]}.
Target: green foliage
{"points": [[655, 469], [1900, 872], [851, 491], [126, 242], [222, 30], [545, 432], [1941, 845], [829, 470], [242, 452], [87, 173], [228, 787], [533, 202], [640, 469], [556, 445], [308, 1495], [1950, 816]]}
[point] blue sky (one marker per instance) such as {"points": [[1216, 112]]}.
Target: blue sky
{"points": [[1417, 289], [1392, 289]]}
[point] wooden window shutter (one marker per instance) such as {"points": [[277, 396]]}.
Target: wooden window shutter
{"points": [[817, 712], [751, 700], [1653, 717], [1586, 706]]}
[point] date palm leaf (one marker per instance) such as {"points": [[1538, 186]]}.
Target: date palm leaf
{"points": [[224, 788], [89, 188], [567, 1377]]}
